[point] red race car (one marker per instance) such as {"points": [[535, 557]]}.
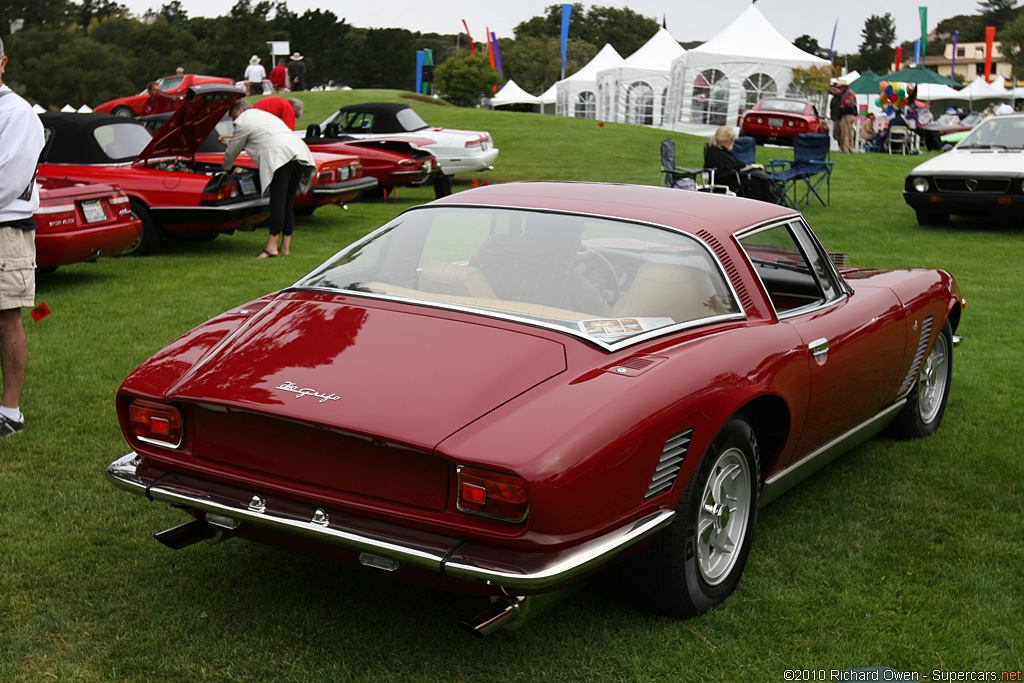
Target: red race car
{"points": [[172, 91], [81, 222], [505, 390], [780, 120], [172, 193]]}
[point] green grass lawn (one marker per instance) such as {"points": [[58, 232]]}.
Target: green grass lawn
{"points": [[900, 554]]}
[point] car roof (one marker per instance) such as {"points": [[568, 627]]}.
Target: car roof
{"points": [[695, 212], [376, 107], [71, 140]]}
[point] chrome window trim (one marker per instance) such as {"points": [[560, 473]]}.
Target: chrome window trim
{"points": [[625, 342]]}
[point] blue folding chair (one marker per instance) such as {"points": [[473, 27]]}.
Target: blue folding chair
{"points": [[701, 179], [745, 149], [801, 178]]}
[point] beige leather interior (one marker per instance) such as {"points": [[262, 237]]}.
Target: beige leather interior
{"points": [[667, 290]]}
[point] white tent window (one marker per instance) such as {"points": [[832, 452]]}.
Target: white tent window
{"points": [[710, 98], [586, 105], [794, 90], [640, 104], [664, 101], [757, 87]]}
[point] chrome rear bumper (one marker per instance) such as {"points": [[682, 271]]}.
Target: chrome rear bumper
{"points": [[228, 507]]}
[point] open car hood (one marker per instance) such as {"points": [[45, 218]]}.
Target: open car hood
{"points": [[405, 375], [188, 126]]}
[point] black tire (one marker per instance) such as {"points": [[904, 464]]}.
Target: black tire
{"points": [[926, 402], [123, 112], [681, 573], [932, 218], [148, 241], [442, 185]]}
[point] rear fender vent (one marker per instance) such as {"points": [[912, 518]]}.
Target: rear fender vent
{"points": [[634, 365], [922, 346], [730, 268], [669, 464]]}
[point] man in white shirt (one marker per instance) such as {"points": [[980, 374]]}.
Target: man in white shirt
{"points": [[254, 75], [1003, 108], [21, 141]]}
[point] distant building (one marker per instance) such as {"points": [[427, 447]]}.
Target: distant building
{"points": [[969, 63]]}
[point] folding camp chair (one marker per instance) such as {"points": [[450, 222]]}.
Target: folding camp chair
{"points": [[700, 179], [802, 177], [745, 149], [897, 139]]}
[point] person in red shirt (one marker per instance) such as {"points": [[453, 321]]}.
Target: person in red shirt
{"points": [[285, 109], [279, 77]]}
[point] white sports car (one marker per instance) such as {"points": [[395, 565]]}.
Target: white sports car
{"points": [[982, 175], [457, 151]]}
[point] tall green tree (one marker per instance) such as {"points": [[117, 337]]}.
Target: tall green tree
{"points": [[1012, 39], [997, 13], [536, 63], [34, 13], [464, 78], [810, 46], [624, 29], [876, 50]]}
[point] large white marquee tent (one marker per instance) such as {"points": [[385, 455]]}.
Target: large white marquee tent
{"points": [[577, 94], [634, 91], [744, 62], [511, 93]]}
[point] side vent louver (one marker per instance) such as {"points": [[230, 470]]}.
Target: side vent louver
{"points": [[730, 267], [922, 346], [669, 464]]}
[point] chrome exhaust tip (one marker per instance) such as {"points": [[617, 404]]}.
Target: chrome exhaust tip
{"points": [[188, 534], [500, 614]]}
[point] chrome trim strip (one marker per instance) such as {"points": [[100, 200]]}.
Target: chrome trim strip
{"points": [[252, 203], [449, 556], [345, 186], [778, 483]]}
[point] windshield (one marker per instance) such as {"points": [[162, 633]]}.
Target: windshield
{"points": [[122, 141], [599, 278], [998, 132]]}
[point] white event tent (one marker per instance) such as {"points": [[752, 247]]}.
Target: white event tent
{"points": [[744, 62], [634, 90], [511, 93], [577, 94]]}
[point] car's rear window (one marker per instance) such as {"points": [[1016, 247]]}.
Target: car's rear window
{"points": [[788, 106], [410, 120], [122, 141], [603, 279]]}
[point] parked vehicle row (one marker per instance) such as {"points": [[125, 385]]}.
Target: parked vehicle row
{"points": [[168, 165]]}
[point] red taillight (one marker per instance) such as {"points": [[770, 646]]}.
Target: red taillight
{"points": [[474, 143], [492, 494], [221, 188], [155, 423]]}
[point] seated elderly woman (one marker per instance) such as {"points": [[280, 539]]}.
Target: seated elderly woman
{"points": [[746, 180]]}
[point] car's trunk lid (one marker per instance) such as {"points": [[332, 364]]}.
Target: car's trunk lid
{"points": [[355, 397]]}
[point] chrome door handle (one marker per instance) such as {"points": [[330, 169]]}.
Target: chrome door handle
{"points": [[818, 347]]}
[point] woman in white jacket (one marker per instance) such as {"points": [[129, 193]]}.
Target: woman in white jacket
{"points": [[285, 167]]}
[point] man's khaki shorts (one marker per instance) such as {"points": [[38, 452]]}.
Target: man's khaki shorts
{"points": [[17, 268]]}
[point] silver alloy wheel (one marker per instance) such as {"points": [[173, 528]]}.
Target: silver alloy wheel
{"points": [[931, 385], [725, 511]]}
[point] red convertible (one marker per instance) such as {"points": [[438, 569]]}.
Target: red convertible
{"points": [[172, 90], [78, 222], [507, 389], [780, 120], [172, 193]]}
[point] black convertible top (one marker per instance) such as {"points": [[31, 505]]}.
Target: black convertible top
{"points": [[383, 117], [71, 139]]}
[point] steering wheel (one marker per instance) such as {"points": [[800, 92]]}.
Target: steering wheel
{"points": [[602, 276]]}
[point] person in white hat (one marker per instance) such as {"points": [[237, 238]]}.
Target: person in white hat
{"points": [[297, 72], [254, 76]]}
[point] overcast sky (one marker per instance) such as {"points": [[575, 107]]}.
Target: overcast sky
{"points": [[687, 20]]}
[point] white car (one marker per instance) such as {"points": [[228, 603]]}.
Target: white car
{"points": [[982, 175], [457, 151]]}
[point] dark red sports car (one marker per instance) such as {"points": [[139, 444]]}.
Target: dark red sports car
{"points": [[80, 222], [170, 192], [510, 388], [780, 120]]}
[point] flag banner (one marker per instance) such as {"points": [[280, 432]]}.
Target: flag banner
{"points": [[833, 42], [497, 52], [917, 52], [924, 33], [566, 14], [952, 63], [990, 37], [472, 47]]}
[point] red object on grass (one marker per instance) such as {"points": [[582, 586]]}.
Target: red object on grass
{"points": [[40, 311]]}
